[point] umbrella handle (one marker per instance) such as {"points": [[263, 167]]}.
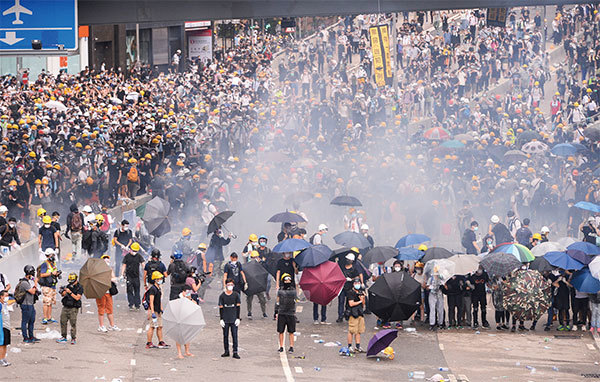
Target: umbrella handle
{"points": [[233, 235]]}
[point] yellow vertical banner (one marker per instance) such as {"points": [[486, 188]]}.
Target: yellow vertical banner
{"points": [[378, 63], [385, 41]]}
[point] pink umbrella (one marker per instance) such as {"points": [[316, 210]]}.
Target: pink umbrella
{"points": [[437, 133], [322, 283]]}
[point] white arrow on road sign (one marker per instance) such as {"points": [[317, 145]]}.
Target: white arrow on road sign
{"points": [[10, 38]]}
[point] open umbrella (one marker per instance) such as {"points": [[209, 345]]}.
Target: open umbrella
{"points": [[579, 256], [594, 267], [411, 239], [514, 155], [94, 277], [395, 296], [381, 340], [453, 144], [522, 253], [534, 147], [499, 264], [436, 133], [286, 217], [409, 253], [313, 256], [548, 246], [583, 281], [271, 263], [183, 320], [588, 206], [436, 253], [346, 200], [156, 216], [585, 247], [563, 261], [256, 276], [379, 255], [540, 264], [322, 283], [340, 253], [566, 241], [291, 245], [218, 221], [443, 268], [464, 137], [592, 133], [526, 294], [57, 105], [564, 149], [352, 239], [465, 264], [527, 136]]}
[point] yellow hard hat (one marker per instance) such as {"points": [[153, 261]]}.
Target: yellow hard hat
{"points": [[422, 247], [32, 154], [283, 276], [89, 181], [46, 219], [254, 254], [156, 274], [78, 145], [186, 231], [132, 160], [148, 156], [253, 237], [419, 264], [99, 218], [202, 246], [37, 181], [355, 249], [135, 247], [40, 211], [536, 236]]}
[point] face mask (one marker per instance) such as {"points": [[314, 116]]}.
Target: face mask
{"points": [[262, 243], [397, 269], [479, 271], [475, 228], [419, 270], [47, 225], [356, 286], [489, 242], [233, 262], [229, 287], [11, 225], [287, 256], [107, 261]]}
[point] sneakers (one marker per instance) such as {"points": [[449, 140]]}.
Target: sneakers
{"points": [[561, 328], [4, 363], [504, 327], [52, 321], [522, 328], [73, 342], [339, 320], [114, 328], [546, 328], [102, 329], [226, 354], [163, 345], [316, 322], [513, 329], [150, 345], [236, 356], [265, 315], [351, 349], [574, 328], [62, 340], [592, 330], [35, 340], [250, 316], [291, 349], [432, 327], [499, 328], [324, 323], [44, 321], [360, 350], [280, 349], [486, 324]]}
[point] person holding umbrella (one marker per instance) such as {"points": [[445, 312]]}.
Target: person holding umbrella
{"points": [[229, 313], [255, 257], [217, 242], [285, 311], [267, 257], [105, 304], [350, 272], [356, 320]]}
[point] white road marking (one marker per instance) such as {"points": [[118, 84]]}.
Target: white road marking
{"points": [[139, 331], [132, 362], [441, 346], [286, 367], [590, 346], [298, 370]]}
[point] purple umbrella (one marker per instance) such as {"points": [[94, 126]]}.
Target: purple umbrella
{"points": [[322, 283], [580, 256], [381, 340]]}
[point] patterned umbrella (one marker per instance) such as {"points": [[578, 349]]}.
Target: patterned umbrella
{"points": [[522, 253], [526, 294], [499, 264], [534, 147], [436, 133], [548, 246]]}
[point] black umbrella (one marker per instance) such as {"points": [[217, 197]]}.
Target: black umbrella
{"points": [[346, 200], [380, 255], [395, 296], [436, 253], [352, 239], [271, 263], [256, 277], [340, 253], [540, 264], [313, 256], [218, 221], [592, 133], [286, 217]]}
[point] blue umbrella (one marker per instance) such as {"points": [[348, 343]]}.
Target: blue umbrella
{"points": [[584, 282], [580, 256], [562, 260], [588, 206], [411, 239], [564, 149], [291, 245], [313, 256], [587, 248], [409, 253], [453, 144]]}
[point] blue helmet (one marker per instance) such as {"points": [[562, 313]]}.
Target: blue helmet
{"points": [[177, 255], [262, 237]]}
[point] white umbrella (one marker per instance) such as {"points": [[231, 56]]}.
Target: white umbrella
{"points": [[465, 264], [56, 105], [594, 267], [183, 320], [444, 268], [549, 246], [566, 241]]}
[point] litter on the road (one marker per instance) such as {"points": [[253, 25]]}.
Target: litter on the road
{"points": [[410, 330], [153, 379], [103, 378], [49, 335], [315, 335], [173, 369], [330, 344], [15, 350], [317, 368], [436, 378], [319, 341]]}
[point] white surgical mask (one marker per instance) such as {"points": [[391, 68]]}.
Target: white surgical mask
{"points": [[47, 225], [229, 287], [233, 262], [11, 225]]}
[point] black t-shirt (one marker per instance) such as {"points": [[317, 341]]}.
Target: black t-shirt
{"points": [[351, 272], [229, 304], [353, 295], [286, 266], [502, 234], [287, 301], [152, 266], [478, 282], [468, 238], [157, 293], [587, 231], [132, 265], [123, 237]]}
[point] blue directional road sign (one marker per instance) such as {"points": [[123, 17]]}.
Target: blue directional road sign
{"points": [[52, 22]]}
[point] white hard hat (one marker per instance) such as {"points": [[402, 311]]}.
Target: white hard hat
{"points": [[591, 219], [323, 227], [350, 256], [364, 226], [545, 229], [87, 209], [49, 251], [495, 219], [3, 209], [91, 218]]}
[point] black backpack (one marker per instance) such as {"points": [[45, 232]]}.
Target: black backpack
{"points": [[312, 239], [465, 240], [152, 267], [180, 272]]}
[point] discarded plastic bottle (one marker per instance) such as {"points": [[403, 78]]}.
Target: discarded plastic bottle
{"points": [[418, 375], [443, 369], [529, 367], [554, 368], [317, 368]]}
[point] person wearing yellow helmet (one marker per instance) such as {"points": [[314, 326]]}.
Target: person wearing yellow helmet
{"points": [[285, 311], [71, 300], [255, 258], [422, 247], [130, 271], [250, 246], [152, 300], [184, 244]]}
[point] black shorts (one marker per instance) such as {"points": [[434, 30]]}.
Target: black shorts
{"points": [[6, 337], [284, 320]]}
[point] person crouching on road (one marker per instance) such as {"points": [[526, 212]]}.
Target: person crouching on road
{"points": [[356, 319], [71, 300], [286, 311], [155, 308], [229, 311]]}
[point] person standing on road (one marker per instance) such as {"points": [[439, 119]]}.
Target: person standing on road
{"points": [[255, 256], [233, 271], [436, 300], [154, 264], [4, 326], [47, 279], [469, 239], [71, 303], [122, 239], [356, 320], [178, 270], [105, 304], [479, 279], [28, 286], [285, 310], [215, 250], [75, 227], [155, 308], [130, 271], [350, 272], [229, 313]]}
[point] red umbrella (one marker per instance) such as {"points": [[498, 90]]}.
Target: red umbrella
{"points": [[322, 283], [436, 133]]}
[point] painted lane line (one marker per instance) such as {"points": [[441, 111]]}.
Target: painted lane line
{"points": [[132, 362], [286, 367]]}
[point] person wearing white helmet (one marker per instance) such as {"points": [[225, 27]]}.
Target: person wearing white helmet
{"points": [[544, 231], [501, 233], [317, 238], [364, 229], [3, 214], [350, 271]]}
